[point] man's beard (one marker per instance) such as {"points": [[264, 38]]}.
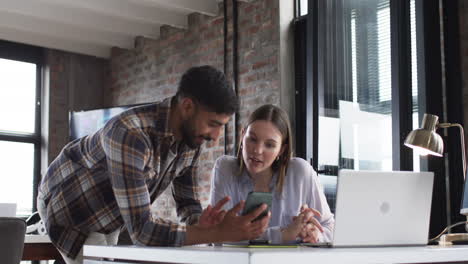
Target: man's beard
{"points": [[188, 134]]}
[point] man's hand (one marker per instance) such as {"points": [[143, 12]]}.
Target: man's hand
{"points": [[236, 228], [212, 216], [231, 227]]}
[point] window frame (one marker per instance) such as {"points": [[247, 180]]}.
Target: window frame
{"points": [[310, 90], [30, 54]]}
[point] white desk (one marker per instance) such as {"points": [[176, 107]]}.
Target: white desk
{"points": [[216, 255], [37, 239]]}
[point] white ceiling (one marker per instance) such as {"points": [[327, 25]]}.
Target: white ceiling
{"points": [[92, 27]]}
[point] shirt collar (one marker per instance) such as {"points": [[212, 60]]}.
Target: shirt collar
{"points": [[246, 180], [164, 113]]}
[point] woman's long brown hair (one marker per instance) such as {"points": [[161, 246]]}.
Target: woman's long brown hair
{"points": [[279, 118]]}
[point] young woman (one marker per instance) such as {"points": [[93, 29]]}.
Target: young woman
{"points": [[264, 163]]}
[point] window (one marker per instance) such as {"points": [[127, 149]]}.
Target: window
{"points": [[19, 125], [354, 82], [366, 71]]}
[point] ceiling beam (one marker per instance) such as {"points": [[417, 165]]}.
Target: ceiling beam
{"points": [[71, 32], [92, 27], [206, 7], [38, 39], [79, 17], [53, 29], [129, 10]]}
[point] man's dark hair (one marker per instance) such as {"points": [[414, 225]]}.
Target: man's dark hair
{"points": [[209, 87]]}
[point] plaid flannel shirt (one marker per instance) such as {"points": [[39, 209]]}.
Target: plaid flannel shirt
{"points": [[109, 179]]}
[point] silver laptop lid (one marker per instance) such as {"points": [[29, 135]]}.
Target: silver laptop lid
{"points": [[376, 208]]}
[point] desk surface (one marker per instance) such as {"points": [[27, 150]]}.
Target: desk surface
{"points": [[37, 239], [278, 255], [39, 247]]}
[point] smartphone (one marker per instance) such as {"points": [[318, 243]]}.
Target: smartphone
{"points": [[254, 200]]}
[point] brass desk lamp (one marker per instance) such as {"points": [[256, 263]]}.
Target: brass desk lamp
{"points": [[426, 141]]}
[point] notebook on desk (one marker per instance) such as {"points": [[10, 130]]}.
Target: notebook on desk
{"points": [[382, 208]]}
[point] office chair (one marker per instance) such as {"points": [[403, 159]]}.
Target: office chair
{"points": [[12, 232]]}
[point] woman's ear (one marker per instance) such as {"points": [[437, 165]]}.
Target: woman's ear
{"points": [[242, 134]]}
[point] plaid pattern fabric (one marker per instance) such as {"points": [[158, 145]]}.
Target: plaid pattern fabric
{"points": [[109, 179]]}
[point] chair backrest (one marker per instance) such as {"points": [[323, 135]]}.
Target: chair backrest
{"points": [[12, 232]]}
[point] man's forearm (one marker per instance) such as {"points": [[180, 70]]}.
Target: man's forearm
{"points": [[198, 235], [192, 219]]}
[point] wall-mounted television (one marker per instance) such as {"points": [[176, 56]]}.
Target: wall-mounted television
{"points": [[83, 123]]}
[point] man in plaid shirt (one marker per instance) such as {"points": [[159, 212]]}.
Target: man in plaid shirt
{"points": [[107, 180]]}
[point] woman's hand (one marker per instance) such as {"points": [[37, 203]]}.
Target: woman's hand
{"points": [[292, 231], [310, 233], [212, 216], [312, 228]]}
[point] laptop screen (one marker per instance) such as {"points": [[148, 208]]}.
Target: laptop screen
{"points": [[376, 208]]}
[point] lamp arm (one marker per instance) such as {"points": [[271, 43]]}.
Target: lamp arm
{"points": [[462, 139]]}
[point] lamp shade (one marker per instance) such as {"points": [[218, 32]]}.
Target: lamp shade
{"points": [[425, 139]]}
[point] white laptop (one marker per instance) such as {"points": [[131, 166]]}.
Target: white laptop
{"points": [[7, 209], [376, 208]]}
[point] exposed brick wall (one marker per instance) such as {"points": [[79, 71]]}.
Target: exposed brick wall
{"points": [[58, 103], [75, 82], [152, 70], [258, 55]]}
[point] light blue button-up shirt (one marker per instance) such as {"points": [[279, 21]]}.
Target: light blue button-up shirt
{"points": [[301, 186]]}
